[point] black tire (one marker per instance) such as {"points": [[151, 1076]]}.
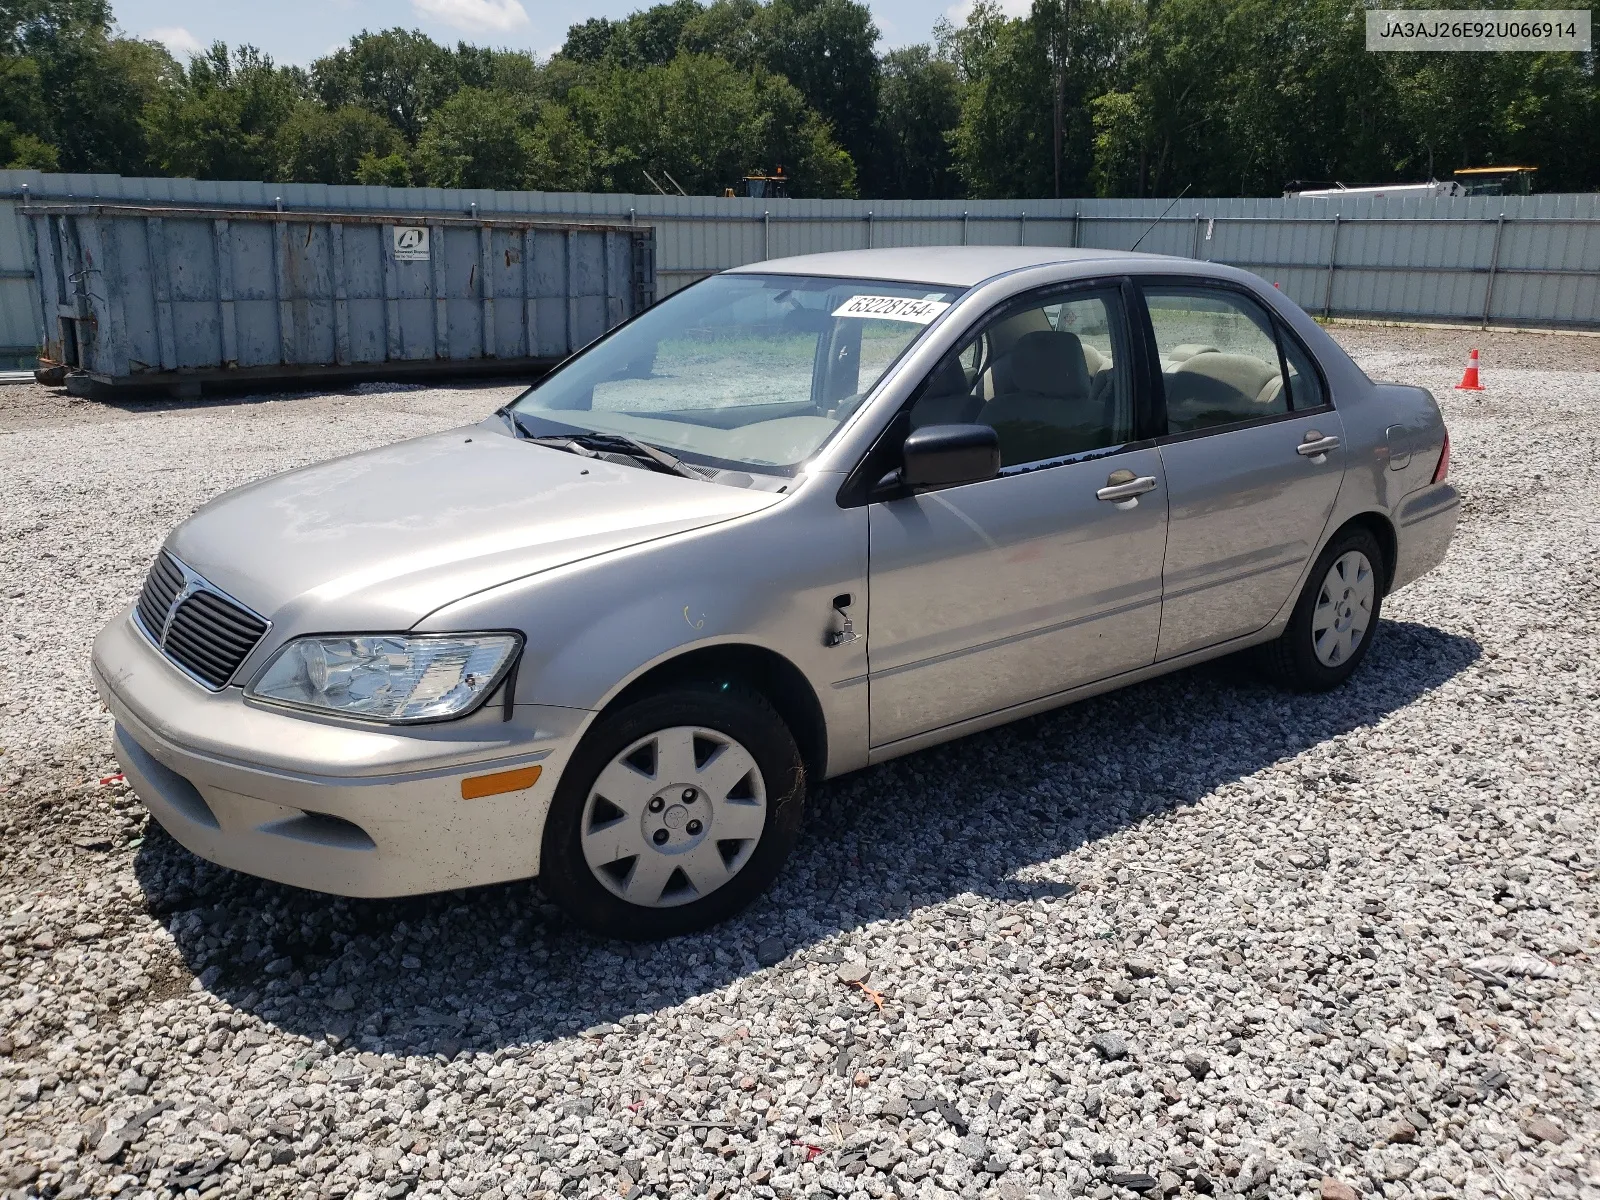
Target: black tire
{"points": [[1291, 660], [732, 709]]}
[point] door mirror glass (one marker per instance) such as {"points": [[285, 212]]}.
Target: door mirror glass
{"points": [[938, 456]]}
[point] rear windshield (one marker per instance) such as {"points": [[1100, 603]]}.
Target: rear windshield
{"points": [[750, 372]]}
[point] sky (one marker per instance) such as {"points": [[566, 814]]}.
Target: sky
{"points": [[297, 31]]}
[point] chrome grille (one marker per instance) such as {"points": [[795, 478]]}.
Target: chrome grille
{"points": [[161, 588], [204, 632]]}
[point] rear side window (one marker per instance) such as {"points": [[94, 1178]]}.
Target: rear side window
{"points": [[1219, 358]]}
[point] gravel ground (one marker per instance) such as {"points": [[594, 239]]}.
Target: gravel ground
{"points": [[1195, 937]]}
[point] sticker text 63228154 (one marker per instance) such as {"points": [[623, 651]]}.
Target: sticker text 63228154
{"points": [[891, 308]]}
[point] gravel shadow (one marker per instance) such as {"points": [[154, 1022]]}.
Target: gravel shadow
{"points": [[985, 819]]}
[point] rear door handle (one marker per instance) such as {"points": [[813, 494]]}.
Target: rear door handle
{"points": [[1125, 485], [1315, 444]]}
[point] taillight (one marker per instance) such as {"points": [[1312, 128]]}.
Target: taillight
{"points": [[1443, 468]]}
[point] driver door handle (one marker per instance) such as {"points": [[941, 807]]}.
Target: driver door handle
{"points": [[1125, 485], [1316, 444]]}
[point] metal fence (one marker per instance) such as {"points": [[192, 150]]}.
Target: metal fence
{"points": [[1531, 261]]}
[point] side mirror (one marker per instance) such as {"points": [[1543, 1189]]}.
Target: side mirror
{"points": [[938, 456]]}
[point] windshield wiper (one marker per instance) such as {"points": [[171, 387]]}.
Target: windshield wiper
{"points": [[591, 444], [667, 462]]}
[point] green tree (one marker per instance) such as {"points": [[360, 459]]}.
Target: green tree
{"points": [[1245, 95], [591, 41], [515, 71], [1002, 142], [1468, 110], [919, 102], [477, 139], [800, 140], [705, 123], [1553, 121], [1115, 96], [393, 170], [318, 145], [23, 150], [1026, 127], [66, 83], [1089, 45], [649, 37], [399, 74], [221, 116], [825, 48], [22, 109], [729, 29], [561, 156], [1120, 136]]}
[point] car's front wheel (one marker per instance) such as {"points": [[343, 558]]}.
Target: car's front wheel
{"points": [[1335, 617], [675, 812]]}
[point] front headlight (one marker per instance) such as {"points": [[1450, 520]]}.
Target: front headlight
{"points": [[393, 677]]}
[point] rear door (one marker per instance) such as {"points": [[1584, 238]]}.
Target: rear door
{"points": [[1253, 454]]}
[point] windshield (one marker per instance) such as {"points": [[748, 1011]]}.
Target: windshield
{"points": [[739, 371]]}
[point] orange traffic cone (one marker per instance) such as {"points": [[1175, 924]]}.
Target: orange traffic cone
{"points": [[1469, 380]]}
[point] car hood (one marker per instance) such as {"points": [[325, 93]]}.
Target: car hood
{"points": [[377, 540]]}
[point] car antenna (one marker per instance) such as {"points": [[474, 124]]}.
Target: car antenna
{"points": [[1161, 218]]}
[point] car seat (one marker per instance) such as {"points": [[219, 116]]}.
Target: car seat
{"points": [[1049, 410], [947, 397], [1213, 388]]}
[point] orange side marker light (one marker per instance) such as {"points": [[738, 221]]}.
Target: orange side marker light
{"points": [[479, 786]]}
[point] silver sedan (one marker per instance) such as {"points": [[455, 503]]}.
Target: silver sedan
{"points": [[796, 519]]}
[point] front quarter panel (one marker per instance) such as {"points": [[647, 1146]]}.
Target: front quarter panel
{"points": [[768, 580]]}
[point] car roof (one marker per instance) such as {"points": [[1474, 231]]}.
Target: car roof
{"points": [[951, 266]]}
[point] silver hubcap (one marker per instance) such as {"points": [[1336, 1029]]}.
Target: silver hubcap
{"points": [[674, 817], [1344, 609]]}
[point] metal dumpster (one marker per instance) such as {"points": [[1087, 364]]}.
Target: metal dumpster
{"points": [[138, 296]]}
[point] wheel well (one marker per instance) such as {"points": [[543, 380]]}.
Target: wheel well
{"points": [[775, 677], [1378, 525]]}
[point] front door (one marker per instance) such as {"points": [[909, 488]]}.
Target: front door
{"points": [[1253, 459], [997, 593]]}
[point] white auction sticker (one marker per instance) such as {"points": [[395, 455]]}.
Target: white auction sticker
{"points": [[891, 308]]}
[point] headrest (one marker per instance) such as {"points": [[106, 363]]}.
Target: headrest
{"points": [[1187, 350], [948, 379], [1050, 362], [1244, 373]]}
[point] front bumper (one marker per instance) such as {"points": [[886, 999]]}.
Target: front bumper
{"points": [[334, 806]]}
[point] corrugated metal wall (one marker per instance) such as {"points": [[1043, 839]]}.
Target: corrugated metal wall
{"points": [[1512, 260]]}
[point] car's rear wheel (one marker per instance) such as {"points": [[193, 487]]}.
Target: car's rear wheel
{"points": [[1335, 617], [675, 812]]}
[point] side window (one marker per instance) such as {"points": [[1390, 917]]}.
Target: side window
{"points": [[1305, 385], [1052, 379], [1219, 358]]}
